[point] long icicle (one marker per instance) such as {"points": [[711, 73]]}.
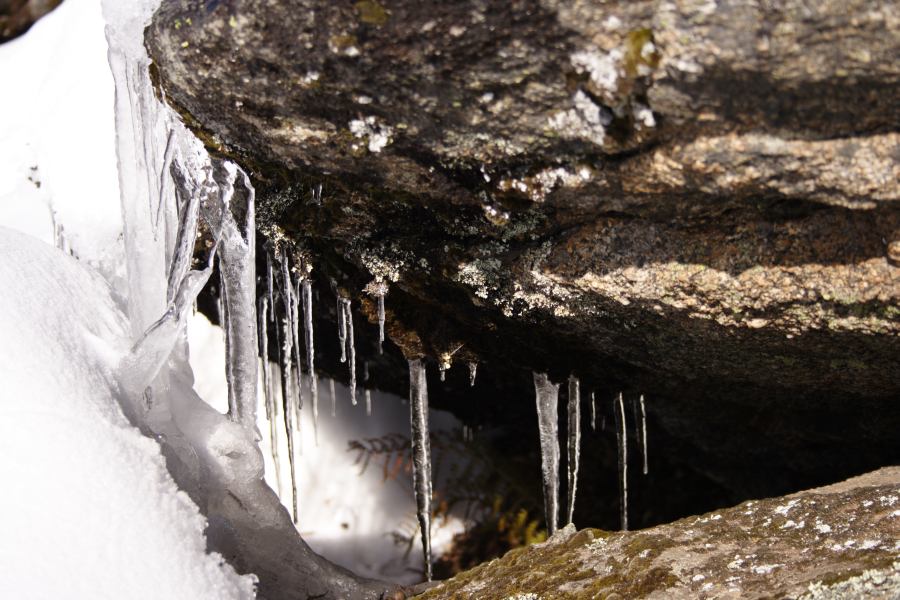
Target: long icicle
{"points": [[546, 399], [291, 317], [473, 371], [644, 434], [287, 400], [295, 333], [237, 262], [622, 435], [574, 439], [310, 352], [351, 348], [342, 328], [270, 286], [421, 448], [271, 414]]}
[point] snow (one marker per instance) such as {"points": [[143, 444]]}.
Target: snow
{"points": [[87, 498]]}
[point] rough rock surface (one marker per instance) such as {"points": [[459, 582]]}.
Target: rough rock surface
{"points": [[705, 190], [694, 200], [840, 541], [16, 16]]}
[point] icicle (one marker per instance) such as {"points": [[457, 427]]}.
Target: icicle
{"points": [[270, 286], [644, 434], [421, 447], [333, 397], [443, 373], [310, 353], [351, 347], [294, 296], [593, 413], [342, 328], [365, 370], [287, 399], [546, 397], [622, 435], [574, 438], [380, 323], [237, 273], [268, 392], [473, 370], [368, 403]]}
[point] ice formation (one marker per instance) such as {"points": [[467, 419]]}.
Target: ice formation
{"points": [[574, 441], [351, 346], [547, 398], [473, 371], [644, 435], [622, 438], [421, 447], [593, 412], [309, 337]]}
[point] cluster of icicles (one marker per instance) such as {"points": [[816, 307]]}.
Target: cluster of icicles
{"points": [[547, 400], [293, 285]]}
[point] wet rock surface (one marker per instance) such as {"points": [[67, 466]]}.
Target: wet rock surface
{"points": [[697, 201], [840, 541]]}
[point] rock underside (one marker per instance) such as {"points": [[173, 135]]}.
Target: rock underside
{"points": [[696, 201], [841, 541]]}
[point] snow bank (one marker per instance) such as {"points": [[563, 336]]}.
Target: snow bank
{"points": [[88, 509]]}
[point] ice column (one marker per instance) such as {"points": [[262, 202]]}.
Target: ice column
{"points": [[574, 439], [547, 397], [421, 447]]}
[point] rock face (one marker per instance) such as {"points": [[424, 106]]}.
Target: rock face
{"points": [[16, 16], [694, 200], [821, 543], [705, 191]]}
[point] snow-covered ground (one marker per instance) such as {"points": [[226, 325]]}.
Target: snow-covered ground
{"points": [[85, 496]]}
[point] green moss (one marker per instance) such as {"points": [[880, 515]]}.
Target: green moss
{"points": [[371, 12]]}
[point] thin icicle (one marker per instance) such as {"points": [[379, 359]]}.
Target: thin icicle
{"points": [[287, 400], [622, 435], [333, 397], [473, 370], [593, 413], [574, 438], [293, 294], [443, 373], [368, 403], [381, 324], [268, 392], [270, 286], [342, 328], [351, 348], [421, 448], [546, 398], [310, 353], [644, 434]]}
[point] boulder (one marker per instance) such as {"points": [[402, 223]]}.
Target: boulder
{"points": [[840, 541]]}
